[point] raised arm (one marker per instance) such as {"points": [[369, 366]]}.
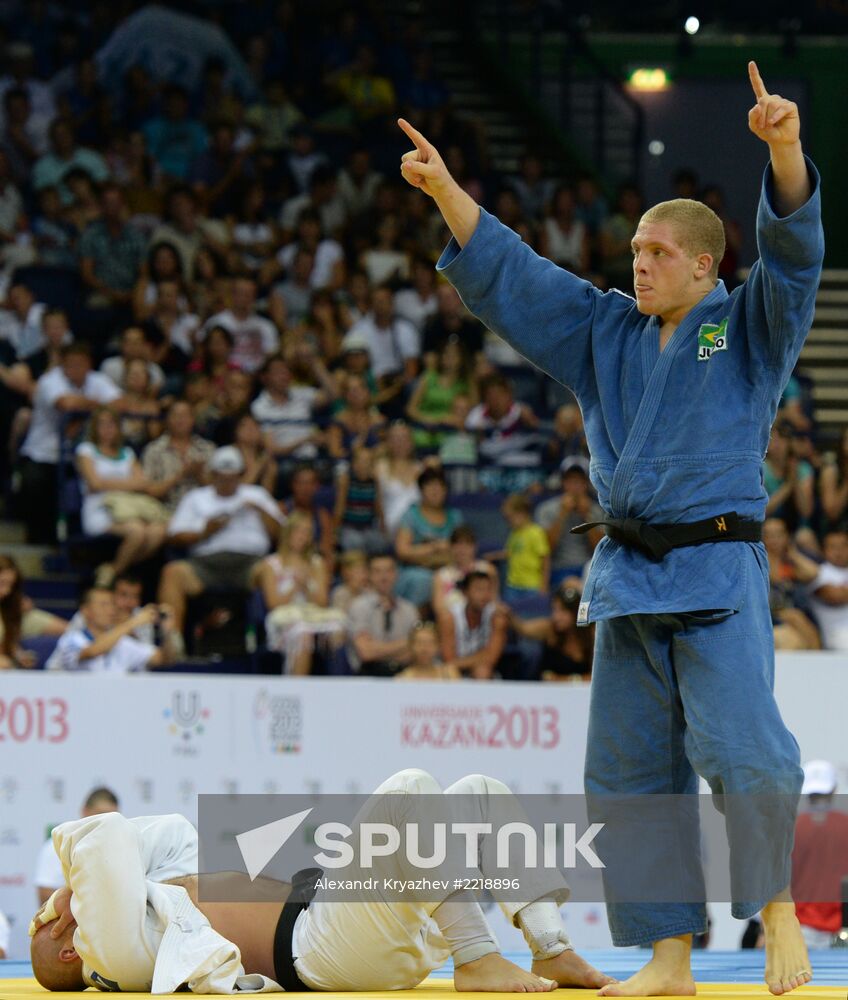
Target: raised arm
{"points": [[108, 640], [545, 312], [423, 168], [781, 288], [776, 121]]}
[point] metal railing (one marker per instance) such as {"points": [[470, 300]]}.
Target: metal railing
{"points": [[547, 57], [487, 473]]}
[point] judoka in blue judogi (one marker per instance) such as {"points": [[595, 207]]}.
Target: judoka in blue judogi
{"points": [[678, 396]]}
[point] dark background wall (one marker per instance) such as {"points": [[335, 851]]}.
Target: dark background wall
{"points": [[818, 72], [704, 126]]}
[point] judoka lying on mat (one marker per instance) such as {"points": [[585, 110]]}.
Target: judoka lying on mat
{"points": [[129, 918]]}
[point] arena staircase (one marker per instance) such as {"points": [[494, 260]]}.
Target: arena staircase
{"points": [[532, 81], [469, 42], [577, 108], [824, 358], [442, 29], [51, 588]]}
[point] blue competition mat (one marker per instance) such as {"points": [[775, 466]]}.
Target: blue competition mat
{"points": [[830, 965], [15, 970]]}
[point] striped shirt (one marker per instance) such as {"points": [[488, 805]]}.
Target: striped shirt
{"points": [[360, 509]]}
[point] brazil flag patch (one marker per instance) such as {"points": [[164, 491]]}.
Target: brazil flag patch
{"points": [[711, 338]]}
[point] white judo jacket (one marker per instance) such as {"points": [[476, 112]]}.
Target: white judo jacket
{"points": [[134, 933]]}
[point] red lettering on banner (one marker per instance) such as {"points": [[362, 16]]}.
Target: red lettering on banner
{"points": [[445, 727], [34, 720]]}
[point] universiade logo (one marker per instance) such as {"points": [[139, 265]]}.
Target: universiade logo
{"points": [[187, 719], [558, 847]]}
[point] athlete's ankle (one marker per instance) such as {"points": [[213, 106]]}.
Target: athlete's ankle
{"points": [[674, 952]]}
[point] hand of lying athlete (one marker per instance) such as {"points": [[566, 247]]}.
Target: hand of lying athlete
{"points": [[62, 905], [772, 119]]}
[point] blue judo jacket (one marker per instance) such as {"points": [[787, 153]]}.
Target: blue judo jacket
{"points": [[677, 435]]}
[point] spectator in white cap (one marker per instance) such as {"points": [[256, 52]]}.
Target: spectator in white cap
{"points": [[356, 359], [575, 505], [226, 527], [820, 857]]}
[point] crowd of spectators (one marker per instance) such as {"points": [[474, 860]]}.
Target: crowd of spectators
{"points": [[224, 335]]}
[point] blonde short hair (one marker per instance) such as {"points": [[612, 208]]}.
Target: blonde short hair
{"points": [[517, 503], [697, 228], [353, 557]]}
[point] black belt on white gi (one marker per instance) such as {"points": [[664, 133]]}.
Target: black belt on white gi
{"points": [[303, 887], [657, 540]]}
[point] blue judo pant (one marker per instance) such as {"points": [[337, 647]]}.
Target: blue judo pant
{"points": [[675, 696]]}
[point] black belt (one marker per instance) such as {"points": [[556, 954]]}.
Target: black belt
{"points": [[657, 540], [303, 887]]}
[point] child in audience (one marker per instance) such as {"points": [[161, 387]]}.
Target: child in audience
{"points": [[358, 512], [353, 568], [424, 652], [528, 553]]}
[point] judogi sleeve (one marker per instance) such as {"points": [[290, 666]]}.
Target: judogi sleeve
{"points": [[781, 288], [103, 865], [168, 846], [545, 312]]}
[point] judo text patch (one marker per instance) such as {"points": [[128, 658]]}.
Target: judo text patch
{"points": [[711, 338]]}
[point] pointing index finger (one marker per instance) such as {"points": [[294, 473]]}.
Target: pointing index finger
{"points": [[418, 139], [756, 80]]}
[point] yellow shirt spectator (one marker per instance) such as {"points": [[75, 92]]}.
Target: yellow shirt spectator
{"points": [[527, 551], [368, 95]]}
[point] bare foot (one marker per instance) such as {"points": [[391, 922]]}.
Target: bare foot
{"points": [[495, 974], [656, 979], [570, 970], [787, 961]]}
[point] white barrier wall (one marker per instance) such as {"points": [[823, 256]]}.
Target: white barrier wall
{"points": [[160, 740]]}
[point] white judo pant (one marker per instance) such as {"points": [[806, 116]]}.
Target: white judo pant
{"points": [[390, 944]]}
